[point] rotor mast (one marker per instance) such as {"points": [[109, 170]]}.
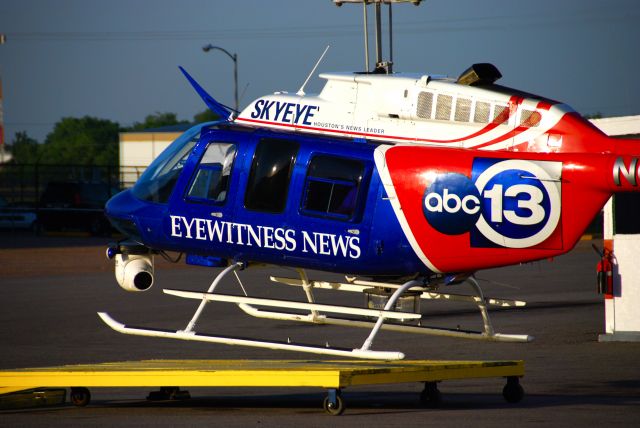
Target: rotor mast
{"points": [[381, 65]]}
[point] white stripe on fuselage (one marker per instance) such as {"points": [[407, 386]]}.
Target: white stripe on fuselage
{"points": [[381, 165]]}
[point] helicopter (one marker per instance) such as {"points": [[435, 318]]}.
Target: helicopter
{"points": [[402, 183]]}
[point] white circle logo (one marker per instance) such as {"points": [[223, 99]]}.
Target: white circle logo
{"points": [[520, 202]]}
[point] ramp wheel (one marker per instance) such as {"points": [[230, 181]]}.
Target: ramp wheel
{"points": [[513, 391], [430, 395], [333, 403], [80, 397]]}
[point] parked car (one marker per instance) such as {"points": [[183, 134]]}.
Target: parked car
{"points": [[16, 217], [75, 205]]}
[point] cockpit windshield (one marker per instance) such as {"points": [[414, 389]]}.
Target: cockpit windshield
{"points": [[157, 182]]}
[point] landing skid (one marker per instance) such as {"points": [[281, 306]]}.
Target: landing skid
{"points": [[283, 346], [362, 286], [316, 315]]}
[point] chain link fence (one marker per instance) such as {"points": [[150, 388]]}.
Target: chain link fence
{"points": [[60, 197]]}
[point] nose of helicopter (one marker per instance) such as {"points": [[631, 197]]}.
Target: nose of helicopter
{"points": [[120, 211]]}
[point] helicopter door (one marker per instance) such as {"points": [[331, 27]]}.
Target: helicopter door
{"points": [[209, 199], [262, 215], [332, 203]]}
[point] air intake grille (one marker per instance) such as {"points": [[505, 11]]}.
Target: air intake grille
{"points": [[529, 118], [481, 114], [443, 108], [463, 110], [501, 115], [425, 105]]}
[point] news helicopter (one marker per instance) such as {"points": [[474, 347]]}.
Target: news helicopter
{"points": [[404, 183]]}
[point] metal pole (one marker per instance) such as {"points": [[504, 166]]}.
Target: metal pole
{"points": [[1, 127], [390, 39], [234, 58], [235, 80], [366, 38], [378, 35], [2, 143], [37, 194]]}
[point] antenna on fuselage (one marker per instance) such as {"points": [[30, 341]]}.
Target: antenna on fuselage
{"points": [[301, 90], [381, 66]]}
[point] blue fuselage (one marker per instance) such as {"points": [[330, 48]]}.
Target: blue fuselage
{"points": [[262, 196]]}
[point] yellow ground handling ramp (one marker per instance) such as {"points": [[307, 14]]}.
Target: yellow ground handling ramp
{"points": [[330, 375]]}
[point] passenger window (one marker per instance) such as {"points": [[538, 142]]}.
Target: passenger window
{"points": [[332, 185], [270, 174], [211, 182]]}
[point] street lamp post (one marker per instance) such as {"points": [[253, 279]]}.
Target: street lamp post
{"points": [[2, 156], [234, 58]]}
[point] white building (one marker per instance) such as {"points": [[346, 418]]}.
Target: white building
{"points": [[138, 149], [619, 126]]}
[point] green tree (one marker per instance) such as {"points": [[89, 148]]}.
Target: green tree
{"points": [[205, 116], [84, 141], [24, 148], [157, 120]]}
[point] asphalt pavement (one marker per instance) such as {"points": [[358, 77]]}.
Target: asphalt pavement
{"points": [[52, 287]]}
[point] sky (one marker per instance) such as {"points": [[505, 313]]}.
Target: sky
{"points": [[119, 59]]}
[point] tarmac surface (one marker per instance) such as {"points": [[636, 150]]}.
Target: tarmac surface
{"points": [[52, 287]]}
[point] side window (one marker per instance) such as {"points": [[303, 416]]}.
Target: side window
{"points": [[211, 181], [332, 186], [268, 184]]}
